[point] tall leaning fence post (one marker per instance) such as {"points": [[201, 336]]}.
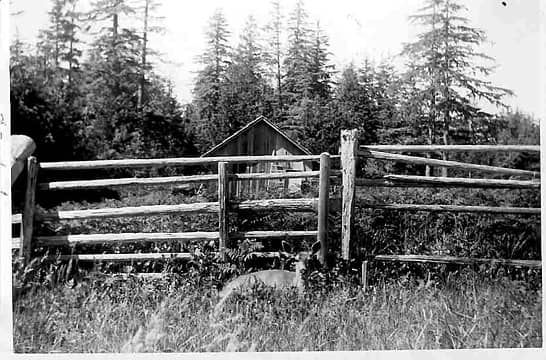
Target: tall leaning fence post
{"points": [[349, 152], [223, 213], [323, 206], [27, 222]]}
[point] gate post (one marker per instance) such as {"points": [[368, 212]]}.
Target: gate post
{"points": [[349, 151], [323, 202], [27, 221], [223, 213]]}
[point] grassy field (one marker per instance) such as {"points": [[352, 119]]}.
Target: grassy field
{"points": [[173, 314], [456, 308]]}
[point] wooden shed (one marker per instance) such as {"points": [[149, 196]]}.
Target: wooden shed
{"points": [[261, 137]]}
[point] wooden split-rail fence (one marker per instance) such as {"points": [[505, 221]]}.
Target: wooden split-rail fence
{"points": [[350, 153], [222, 207]]}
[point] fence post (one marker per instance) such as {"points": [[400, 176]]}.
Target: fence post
{"points": [[349, 149], [323, 202], [27, 222], [223, 201]]}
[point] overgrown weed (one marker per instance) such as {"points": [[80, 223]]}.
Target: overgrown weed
{"points": [[173, 315]]}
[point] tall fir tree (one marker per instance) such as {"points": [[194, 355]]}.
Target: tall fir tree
{"points": [[208, 88], [307, 81], [354, 101], [48, 79], [72, 54], [112, 77], [319, 69], [117, 45], [273, 56], [296, 63], [392, 126], [58, 45], [450, 69], [246, 93], [366, 100], [297, 80], [149, 25], [52, 35]]}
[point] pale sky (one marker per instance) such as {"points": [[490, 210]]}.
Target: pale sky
{"points": [[356, 28]]}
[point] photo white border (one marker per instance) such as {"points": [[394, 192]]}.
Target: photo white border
{"points": [[6, 331], [6, 313]]}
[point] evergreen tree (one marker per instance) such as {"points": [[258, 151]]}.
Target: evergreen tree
{"points": [[53, 34], [90, 111], [274, 30], [42, 84], [446, 62], [59, 48], [246, 91], [117, 47], [208, 87], [112, 77], [319, 70], [389, 93], [424, 73], [58, 44], [297, 79], [351, 99], [162, 130], [37, 109], [365, 100], [72, 54], [147, 9], [319, 125]]}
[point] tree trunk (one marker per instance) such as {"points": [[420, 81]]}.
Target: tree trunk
{"points": [[279, 81], [115, 60], [56, 54], [142, 83], [71, 48]]}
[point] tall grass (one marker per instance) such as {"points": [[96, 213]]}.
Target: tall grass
{"points": [[174, 315]]}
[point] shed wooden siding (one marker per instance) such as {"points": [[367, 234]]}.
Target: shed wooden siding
{"points": [[261, 139]]}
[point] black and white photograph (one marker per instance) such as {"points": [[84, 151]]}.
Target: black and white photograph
{"points": [[281, 177]]}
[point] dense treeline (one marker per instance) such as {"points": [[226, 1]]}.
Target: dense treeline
{"points": [[104, 102], [103, 98]]}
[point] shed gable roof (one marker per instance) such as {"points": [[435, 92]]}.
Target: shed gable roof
{"points": [[253, 123]]}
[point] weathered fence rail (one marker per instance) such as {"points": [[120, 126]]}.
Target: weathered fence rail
{"points": [[452, 208], [139, 163], [454, 148], [438, 259], [351, 151], [464, 182], [107, 183], [104, 183], [415, 160], [89, 239], [438, 182]]}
